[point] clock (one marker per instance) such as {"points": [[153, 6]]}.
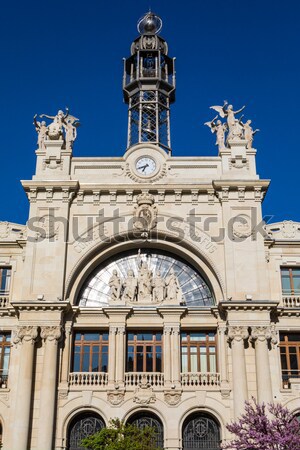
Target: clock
{"points": [[145, 166]]}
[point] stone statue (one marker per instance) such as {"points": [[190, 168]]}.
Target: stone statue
{"points": [[159, 287], [229, 113], [115, 286], [173, 288], [219, 129], [144, 281], [55, 129], [42, 130], [130, 287], [237, 131], [249, 133], [70, 125]]}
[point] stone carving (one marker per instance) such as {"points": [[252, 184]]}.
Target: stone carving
{"points": [[51, 333], [241, 226], [289, 229], [263, 333], [145, 288], [143, 395], [145, 213], [219, 129], [130, 287], [237, 333], [159, 288], [283, 230], [12, 231], [41, 129], [237, 130], [173, 287], [63, 127], [115, 397], [25, 333], [172, 397], [115, 286]]}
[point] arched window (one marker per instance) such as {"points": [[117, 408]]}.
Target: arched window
{"points": [[145, 419], [200, 431], [81, 427]]}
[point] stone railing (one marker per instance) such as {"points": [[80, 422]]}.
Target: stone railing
{"points": [[200, 379], [144, 378], [88, 379], [291, 301], [4, 300], [3, 379]]}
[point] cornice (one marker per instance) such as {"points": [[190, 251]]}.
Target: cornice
{"points": [[40, 305], [43, 185], [248, 305], [235, 184]]}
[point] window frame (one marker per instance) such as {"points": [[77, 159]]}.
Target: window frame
{"points": [[4, 344], [292, 289], [81, 343], [286, 344], [7, 279], [207, 344], [135, 343]]}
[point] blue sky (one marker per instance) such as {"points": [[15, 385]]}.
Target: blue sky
{"points": [[62, 53]]}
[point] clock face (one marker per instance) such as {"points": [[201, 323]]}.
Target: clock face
{"points": [[145, 166]]}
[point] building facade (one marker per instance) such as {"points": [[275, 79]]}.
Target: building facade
{"points": [[145, 287]]}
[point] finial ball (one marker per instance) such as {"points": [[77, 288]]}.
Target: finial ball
{"points": [[150, 23]]}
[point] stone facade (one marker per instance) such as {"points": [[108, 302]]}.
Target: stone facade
{"points": [[201, 215]]}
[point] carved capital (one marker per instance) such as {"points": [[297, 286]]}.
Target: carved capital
{"points": [[51, 333], [113, 330], [26, 333], [167, 330], [121, 329], [263, 333], [237, 333], [175, 330]]}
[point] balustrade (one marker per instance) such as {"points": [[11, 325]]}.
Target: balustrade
{"points": [[88, 379], [144, 378], [291, 301], [205, 379]]}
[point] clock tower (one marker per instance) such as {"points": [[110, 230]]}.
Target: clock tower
{"points": [[149, 89]]}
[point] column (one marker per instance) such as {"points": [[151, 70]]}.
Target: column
{"points": [[120, 355], [66, 356], [25, 335], [167, 355], [237, 335], [222, 353], [175, 362], [112, 355], [50, 336], [261, 335]]}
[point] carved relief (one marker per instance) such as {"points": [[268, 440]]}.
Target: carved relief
{"points": [[172, 397], [26, 333], [143, 395], [263, 333], [237, 333], [241, 226], [115, 397], [51, 333], [145, 213]]}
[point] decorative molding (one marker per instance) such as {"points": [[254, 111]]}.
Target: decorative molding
{"points": [[237, 333], [51, 333], [115, 397], [25, 333], [263, 333], [172, 397], [144, 395], [160, 174]]}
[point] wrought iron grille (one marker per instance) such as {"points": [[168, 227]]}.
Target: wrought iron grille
{"points": [[201, 432], [150, 421], [82, 427]]}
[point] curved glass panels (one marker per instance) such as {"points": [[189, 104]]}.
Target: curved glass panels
{"points": [[200, 432], [81, 427], [96, 290]]}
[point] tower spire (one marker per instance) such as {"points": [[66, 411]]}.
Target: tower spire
{"points": [[149, 85]]}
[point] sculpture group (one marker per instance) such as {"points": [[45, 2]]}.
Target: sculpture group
{"points": [[235, 128], [146, 287], [63, 127]]}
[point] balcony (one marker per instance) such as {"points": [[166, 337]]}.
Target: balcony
{"points": [[290, 377], [200, 379], [154, 379], [4, 299], [3, 378], [88, 379], [291, 301]]}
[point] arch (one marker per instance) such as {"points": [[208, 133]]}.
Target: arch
{"points": [[201, 430], [101, 252], [143, 419], [83, 425]]}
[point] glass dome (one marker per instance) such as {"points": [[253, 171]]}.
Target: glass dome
{"points": [[195, 291]]}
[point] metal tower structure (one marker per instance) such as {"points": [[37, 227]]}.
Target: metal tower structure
{"points": [[149, 85]]}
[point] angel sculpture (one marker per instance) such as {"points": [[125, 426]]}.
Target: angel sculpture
{"points": [[70, 125], [42, 130], [249, 133], [228, 113], [219, 129]]}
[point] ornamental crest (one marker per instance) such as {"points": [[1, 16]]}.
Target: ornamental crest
{"points": [[143, 395], [145, 213]]}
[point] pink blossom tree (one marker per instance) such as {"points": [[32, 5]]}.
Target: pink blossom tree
{"points": [[264, 427]]}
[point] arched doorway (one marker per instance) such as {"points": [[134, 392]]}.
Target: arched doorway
{"points": [[200, 431], [146, 419], [81, 426]]}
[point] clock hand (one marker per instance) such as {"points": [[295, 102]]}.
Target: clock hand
{"points": [[143, 167], [146, 165]]}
